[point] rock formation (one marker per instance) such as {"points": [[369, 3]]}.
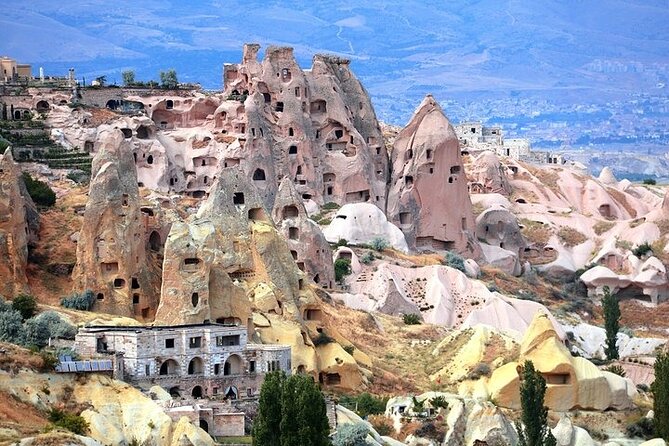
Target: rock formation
{"points": [[112, 258], [360, 223], [15, 206], [229, 261], [316, 127], [571, 381], [487, 175], [428, 196], [498, 228], [305, 239]]}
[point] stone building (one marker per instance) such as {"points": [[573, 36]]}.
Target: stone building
{"points": [[198, 361], [11, 71]]}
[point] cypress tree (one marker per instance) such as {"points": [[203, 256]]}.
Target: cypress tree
{"points": [[267, 423], [611, 309], [660, 389], [534, 429], [314, 428], [290, 423]]}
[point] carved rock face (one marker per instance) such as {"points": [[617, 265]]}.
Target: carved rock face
{"points": [[111, 251], [14, 228], [428, 196]]}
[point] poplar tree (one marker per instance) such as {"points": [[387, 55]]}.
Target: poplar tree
{"points": [[534, 430], [611, 308], [660, 389], [267, 423]]}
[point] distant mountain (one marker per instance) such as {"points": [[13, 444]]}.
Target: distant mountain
{"points": [[482, 59]]}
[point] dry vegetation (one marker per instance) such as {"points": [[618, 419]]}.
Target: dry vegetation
{"points": [[603, 226], [621, 198], [535, 232], [571, 237]]}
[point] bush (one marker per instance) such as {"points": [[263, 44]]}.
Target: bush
{"points": [[439, 402], [379, 244], [11, 327], [71, 422], [430, 431], [479, 370], [39, 191], [642, 428], [455, 260], [83, 301], [350, 435], [642, 250], [342, 269], [47, 325], [330, 205], [411, 319], [616, 369], [650, 181], [25, 305], [322, 339], [349, 349], [341, 242], [367, 258], [381, 425], [78, 176]]}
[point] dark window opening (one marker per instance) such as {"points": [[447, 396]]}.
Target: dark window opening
{"points": [[293, 233], [238, 198], [291, 132], [294, 254], [169, 104], [455, 169], [135, 299], [279, 107], [195, 342], [195, 299], [149, 159], [259, 175], [127, 133], [119, 283], [339, 133], [408, 180], [292, 150], [100, 296], [169, 343], [134, 283]]}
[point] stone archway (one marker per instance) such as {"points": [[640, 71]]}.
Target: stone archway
{"points": [[196, 366], [169, 367], [196, 392], [233, 365]]}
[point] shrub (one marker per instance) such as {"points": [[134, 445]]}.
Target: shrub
{"points": [[341, 242], [379, 244], [381, 424], [47, 325], [25, 304], [350, 435], [642, 428], [455, 260], [479, 370], [330, 205], [11, 327], [78, 176], [322, 339], [650, 181], [83, 301], [571, 237], [367, 258], [642, 250], [439, 401], [49, 362], [370, 405], [616, 369], [349, 349], [430, 431], [342, 269], [73, 423], [411, 319], [39, 191]]}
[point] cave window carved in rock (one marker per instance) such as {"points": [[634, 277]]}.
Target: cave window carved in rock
{"points": [[238, 198], [290, 211], [293, 233], [119, 283], [195, 299], [279, 107], [169, 104], [292, 150], [259, 175]]}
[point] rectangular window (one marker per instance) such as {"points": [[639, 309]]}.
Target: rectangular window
{"points": [[252, 366], [249, 391], [195, 342], [226, 341], [147, 369], [217, 369], [169, 343]]}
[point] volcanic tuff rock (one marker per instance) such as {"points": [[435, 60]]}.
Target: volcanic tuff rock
{"points": [[571, 381], [15, 206], [428, 196], [487, 175], [112, 256], [317, 127], [305, 239], [229, 260]]}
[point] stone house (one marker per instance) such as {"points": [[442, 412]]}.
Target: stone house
{"points": [[199, 361]]}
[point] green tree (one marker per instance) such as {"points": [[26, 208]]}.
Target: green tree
{"points": [[11, 327], [168, 79], [342, 269], [102, 80], [350, 434], [25, 304], [534, 429], [291, 412], [611, 308], [369, 405], [266, 425], [39, 191], [660, 389], [128, 77]]}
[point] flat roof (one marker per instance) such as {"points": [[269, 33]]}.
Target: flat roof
{"points": [[157, 327]]}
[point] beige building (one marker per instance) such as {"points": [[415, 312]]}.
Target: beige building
{"points": [[11, 71]]}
